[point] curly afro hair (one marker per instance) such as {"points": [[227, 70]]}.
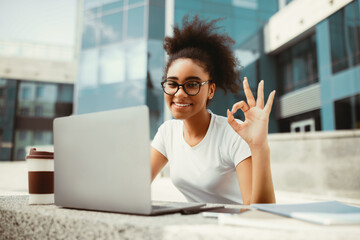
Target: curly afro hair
{"points": [[199, 40]]}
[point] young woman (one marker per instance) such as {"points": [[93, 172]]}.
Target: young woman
{"points": [[212, 159]]}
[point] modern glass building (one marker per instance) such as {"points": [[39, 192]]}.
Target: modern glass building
{"points": [[312, 60], [317, 64], [120, 63], [27, 110], [36, 85]]}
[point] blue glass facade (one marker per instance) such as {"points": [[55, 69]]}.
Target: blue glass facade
{"points": [[121, 59], [328, 58], [27, 110], [339, 69], [113, 59]]}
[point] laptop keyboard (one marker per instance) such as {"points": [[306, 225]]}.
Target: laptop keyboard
{"points": [[165, 205], [156, 207]]}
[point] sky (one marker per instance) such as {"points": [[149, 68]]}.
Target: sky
{"points": [[50, 22]]}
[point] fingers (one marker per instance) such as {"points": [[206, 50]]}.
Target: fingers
{"points": [[249, 96], [240, 105], [260, 95], [269, 102], [233, 123]]}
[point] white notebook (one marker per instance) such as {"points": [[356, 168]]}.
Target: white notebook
{"points": [[325, 213]]}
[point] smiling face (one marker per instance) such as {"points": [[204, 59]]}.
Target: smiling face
{"points": [[181, 105]]}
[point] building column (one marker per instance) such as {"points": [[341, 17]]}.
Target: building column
{"points": [[325, 74]]}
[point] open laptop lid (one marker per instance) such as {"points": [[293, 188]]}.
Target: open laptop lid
{"points": [[102, 161]]}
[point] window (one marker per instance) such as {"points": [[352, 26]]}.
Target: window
{"points": [[25, 93], [39, 91], [135, 23], [38, 136], [347, 113], [112, 28], [24, 111], [39, 111], [307, 125], [90, 31], [135, 1], [305, 122], [22, 135], [112, 6], [20, 154], [344, 27], [65, 93], [297, 66]]}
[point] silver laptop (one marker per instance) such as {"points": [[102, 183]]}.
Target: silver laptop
{"points": [[102, 162]]}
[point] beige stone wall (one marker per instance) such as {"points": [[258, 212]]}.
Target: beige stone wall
{"points": [[324, 163]]}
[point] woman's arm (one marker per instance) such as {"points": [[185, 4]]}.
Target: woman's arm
{"points": [[244, 176], [255, 180], [158, 161], [255, 173]]}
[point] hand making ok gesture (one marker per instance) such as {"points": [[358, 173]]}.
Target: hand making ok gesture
{"points": [[254, 129]]}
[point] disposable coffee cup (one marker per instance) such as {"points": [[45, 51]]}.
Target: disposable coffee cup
{"points": [[41, 176]]}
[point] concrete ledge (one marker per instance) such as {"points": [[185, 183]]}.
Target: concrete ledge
{"points": [[322, 163], [314, 135], [18, 220]]}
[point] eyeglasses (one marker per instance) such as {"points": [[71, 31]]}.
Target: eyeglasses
{"points": [[191, 88]]}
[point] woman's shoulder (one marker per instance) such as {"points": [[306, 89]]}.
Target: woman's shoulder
{"points": [[223, 128], [221, 122], [170, 124]]}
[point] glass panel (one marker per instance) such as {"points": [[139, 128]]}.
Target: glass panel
{"points": [[88, 69], [345, 37], [343, 114], [23, 138], [90, 31], [251, 4], [65, 93], [352, 25], [135, 1], [39, 111], [39, 91], [312, 61], [135, 23], [112, 64], [7, 116], [337, 36], [297, 66], [112, 28], [156, 22], [91, 3], [26, 97], [154, 93], [31, 104], [136, 58], [112, 6], [42, 138], [299, 60], [357, 111]]}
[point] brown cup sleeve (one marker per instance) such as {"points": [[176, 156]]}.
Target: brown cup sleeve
{"points": [[41, 182]]}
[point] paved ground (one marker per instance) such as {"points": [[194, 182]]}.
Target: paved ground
{"points": [[13, 181]]}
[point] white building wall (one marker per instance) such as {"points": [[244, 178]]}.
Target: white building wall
{"points": [[295, 19]]}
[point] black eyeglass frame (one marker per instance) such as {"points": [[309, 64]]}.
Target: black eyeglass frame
{"points": [[183, 86]]}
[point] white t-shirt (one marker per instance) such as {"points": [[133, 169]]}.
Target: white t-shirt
{"points": [[205, 172]]}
